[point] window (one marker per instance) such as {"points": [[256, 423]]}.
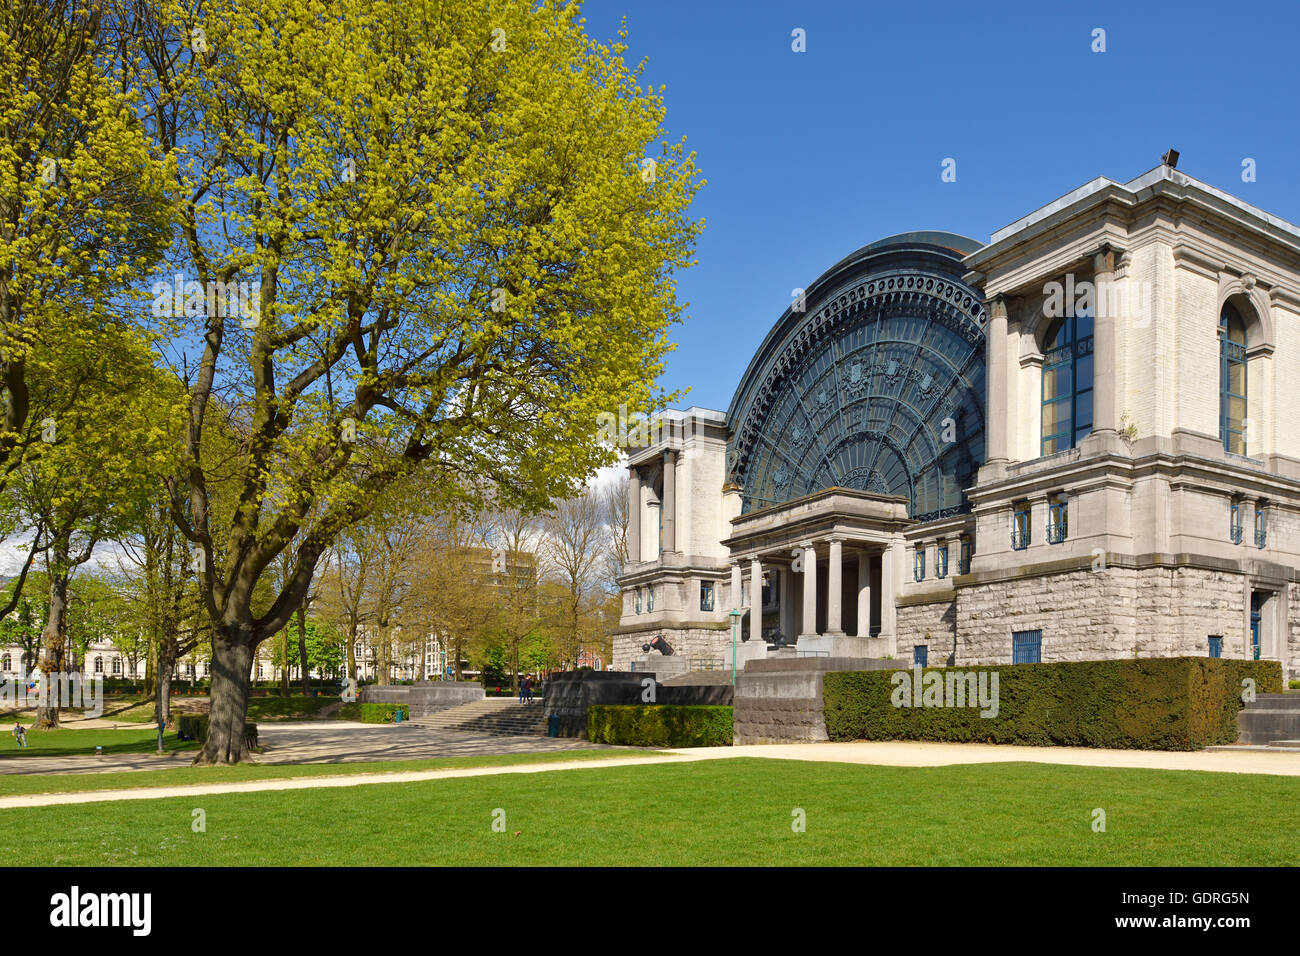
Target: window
{"points": [[769, 590], [649, 599], [706, 595], [1232, 380], [1216, 645], [117, 665], [261, 671], [918, 564], [1261, 528], [6, 662], [638, 600], [99, 665], [1067, 383], [1234, 522], [1020, 526], [1058, 519], [941, 562], [963, 560], [1027, 647], [921, 655]]}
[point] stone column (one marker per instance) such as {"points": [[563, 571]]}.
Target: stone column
{"points": [[864, 593], [835, 589], [809, 590], [1104, 320], [735, 587], [891, 569], [669, 513], [755, 600], [634, 509], [997, 414]]}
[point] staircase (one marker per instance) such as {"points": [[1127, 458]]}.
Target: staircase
{"points": [[1270, 720], [500, 716]]}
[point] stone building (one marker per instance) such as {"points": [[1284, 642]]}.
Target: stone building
{"points": [[1077, 441]]}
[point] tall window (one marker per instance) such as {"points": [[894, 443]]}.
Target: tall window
{"points": [[1067, 383], [921, 655], [1216, 645], [1027, 647], [117, 665], [1058, 519], [941, 561], [1261, 526], [1020, 526], [649, 599], [918, 564], [638, 600], [99, 665], [964, 559], [706, 595], [1232, 380], [1234, 522]]}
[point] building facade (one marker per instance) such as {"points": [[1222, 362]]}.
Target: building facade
{"points": [[1075, 442]]}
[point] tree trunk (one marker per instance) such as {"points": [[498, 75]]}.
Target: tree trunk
{"points": [[47, 707], [232, 663], [352, 649], [162, 711], [284, 663], [302, 651], [382, 649]]}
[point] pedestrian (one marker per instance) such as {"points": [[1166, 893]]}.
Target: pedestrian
{"points": [[528, 690], [20, 734], [523, 690]]}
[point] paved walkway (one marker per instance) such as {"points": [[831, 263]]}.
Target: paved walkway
{"points": [[890, 753], [330, 741]]}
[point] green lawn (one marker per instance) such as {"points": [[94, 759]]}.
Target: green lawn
{"points": [[65, 741], [140, 710], [184, 775], [734, 811]]}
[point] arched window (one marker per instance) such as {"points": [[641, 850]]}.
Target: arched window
{"points": [[99, 665], [1067, 383], [1232, 380], [5, 662]]}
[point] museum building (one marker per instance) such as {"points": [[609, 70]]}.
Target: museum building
{"points": [[1078, 441]]}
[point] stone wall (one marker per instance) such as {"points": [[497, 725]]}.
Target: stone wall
{"points": [[423, 697], [1291, 668], [934, 625], [690, 643], [779, 700]]}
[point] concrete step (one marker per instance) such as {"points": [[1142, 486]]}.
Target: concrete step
{"points": [[1288, 744]]}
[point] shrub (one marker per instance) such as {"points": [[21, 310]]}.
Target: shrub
{"points": [[1294, 685], [195, 727], [1180, 703], [656, 725], [374, 713]]}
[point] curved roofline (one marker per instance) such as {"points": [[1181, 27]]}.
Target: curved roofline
{"points": [[937, 243]]}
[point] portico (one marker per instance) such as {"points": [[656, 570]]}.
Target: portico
{"points": [[833, 565]]}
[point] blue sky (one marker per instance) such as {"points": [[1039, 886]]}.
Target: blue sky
{"points": [[809, 156]]}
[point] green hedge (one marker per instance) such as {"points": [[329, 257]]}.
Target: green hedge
{"points": [[1178, 703], [374, 713], [659, 725], [195, 727]]}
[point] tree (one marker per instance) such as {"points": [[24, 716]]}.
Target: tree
{"points": [[576, 542], [456, 259], [83, 210]]}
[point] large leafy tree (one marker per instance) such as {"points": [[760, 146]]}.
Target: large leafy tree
{"points": [[83, 210], [458, 221]]}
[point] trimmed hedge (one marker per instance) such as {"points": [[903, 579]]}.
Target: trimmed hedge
{"points": [[659, 725], [1176, 703], [374, 713], [195, 727]]}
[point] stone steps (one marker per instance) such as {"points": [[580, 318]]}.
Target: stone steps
{"points": [[498, 716], [1269, 718]]}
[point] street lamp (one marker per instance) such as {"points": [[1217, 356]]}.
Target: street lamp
{"points": [[735, 621]]}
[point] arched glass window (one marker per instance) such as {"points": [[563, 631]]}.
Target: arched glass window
{"points": [[1067, 383], [1232, 380]]}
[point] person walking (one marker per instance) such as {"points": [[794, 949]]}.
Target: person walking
{"points": [[523, 690], [20, 734]]}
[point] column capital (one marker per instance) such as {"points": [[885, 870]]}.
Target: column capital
{"points": [[807, 546]]}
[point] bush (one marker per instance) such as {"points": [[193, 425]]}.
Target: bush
{"points": [[195, 727], [1293, 685], [1178, 703], [374, 713], [659, 725]]}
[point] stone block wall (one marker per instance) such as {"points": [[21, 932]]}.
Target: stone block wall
{"points": [[934, 625], [687, 642]]}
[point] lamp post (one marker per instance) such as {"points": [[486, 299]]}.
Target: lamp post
{"points": [[735, 622]]}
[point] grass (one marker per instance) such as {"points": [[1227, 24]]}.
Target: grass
{"points": [[725, 812], [182, 776], [64, 742]]}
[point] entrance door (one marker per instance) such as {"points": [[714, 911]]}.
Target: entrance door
{"points": [[1256, 600]]}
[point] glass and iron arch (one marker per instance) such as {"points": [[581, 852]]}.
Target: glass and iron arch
{"points": [[1067, 383], [877, 385], [1232, 380]]}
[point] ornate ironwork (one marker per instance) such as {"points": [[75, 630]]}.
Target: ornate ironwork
{"points": [[879, 386]]}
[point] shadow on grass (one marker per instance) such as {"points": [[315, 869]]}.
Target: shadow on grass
{"points": [[71, 743]]}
